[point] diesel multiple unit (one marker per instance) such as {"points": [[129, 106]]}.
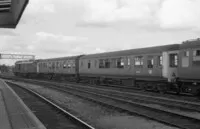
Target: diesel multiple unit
{"points": [[173, 67]]}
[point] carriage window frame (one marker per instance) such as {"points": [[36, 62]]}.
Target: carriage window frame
{"points": [[89, 64], [196, 52], [138, 61], [150, 62], [57, 64], [64, 64], [73, 64], [186, 53], [68, 65], [101, 63], [107, 63], [120, 62], [128, 61], [160, 60], [173, 62]]}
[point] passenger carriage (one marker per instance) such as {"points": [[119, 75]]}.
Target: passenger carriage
{"points": [[64, 68], [189, 66], [136, 67]]}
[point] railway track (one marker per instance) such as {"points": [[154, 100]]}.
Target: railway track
{"points": [[134, 96], [50, 114], [137, 108], [182, 105], [127, 89]]}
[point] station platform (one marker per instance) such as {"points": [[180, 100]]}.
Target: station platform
{"points": [[14, 114]]}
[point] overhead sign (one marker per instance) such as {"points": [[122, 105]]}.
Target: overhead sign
{"points": [[16, 56]]}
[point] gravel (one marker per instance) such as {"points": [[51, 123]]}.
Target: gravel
{"points": [[98, 116]]}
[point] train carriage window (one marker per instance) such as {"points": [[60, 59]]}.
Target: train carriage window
{"points": [[107, 63], [139, 61], [68, 65], [120, 63], [150, 62], [160, 60], [89, 64], [196, 53], [173, 58], [185, 59], [101, 63], [196, 58], [56, 63], [128, 61], [65, 64], [186, 53]]}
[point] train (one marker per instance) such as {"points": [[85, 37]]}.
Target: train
{"points": [[166, 68]]}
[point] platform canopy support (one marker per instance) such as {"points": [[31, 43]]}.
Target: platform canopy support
{"points": [[11, 12]]}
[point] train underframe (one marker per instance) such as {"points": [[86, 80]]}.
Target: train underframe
{"points": [[189, 87]]}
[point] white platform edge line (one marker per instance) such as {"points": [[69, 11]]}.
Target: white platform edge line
{"points": [[58, 107]]}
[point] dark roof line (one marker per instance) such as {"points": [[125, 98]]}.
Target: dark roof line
{"points": [[137, 51]]}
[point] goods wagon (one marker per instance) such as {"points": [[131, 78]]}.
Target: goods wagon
{"points": [[153, 64]]}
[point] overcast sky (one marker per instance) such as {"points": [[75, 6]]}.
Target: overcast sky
{"points": [[53, 28]]}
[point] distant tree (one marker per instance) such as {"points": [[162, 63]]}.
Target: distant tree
{"points": [[4, 68]]}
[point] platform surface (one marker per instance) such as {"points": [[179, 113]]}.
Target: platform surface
{"points": [[14, 114]]}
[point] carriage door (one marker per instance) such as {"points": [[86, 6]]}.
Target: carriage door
{"points": [[170, 64], [150, 64]]}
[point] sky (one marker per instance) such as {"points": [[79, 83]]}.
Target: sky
{"points": [[57, 28]]}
